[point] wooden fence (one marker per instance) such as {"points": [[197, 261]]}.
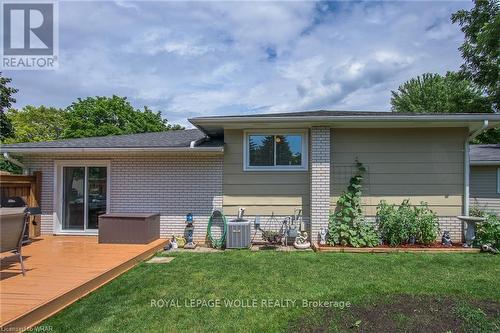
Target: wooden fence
{"points": [[27, 187]]}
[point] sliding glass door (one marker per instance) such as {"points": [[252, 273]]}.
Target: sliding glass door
{"points": [[84, 197]]}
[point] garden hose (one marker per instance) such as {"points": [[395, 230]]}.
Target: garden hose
{"points": [[217, 243]]}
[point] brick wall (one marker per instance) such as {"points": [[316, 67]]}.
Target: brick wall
{"points": [[171, 184], [320, 179], [453, 225]]}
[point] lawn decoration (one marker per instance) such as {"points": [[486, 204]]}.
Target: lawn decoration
{"points": [[301, 241], [172, 245], [189, 232], [322, 234], [489, 248], [290, 227], [446, 239]]}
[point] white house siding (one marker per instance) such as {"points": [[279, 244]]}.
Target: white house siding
{"points": [[172, 184], [483, 188]]}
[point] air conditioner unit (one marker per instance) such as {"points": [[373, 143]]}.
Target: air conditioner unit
{"points": [[238, 234]]}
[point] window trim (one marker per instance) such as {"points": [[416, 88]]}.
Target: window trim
{"points": [[305, 150]]}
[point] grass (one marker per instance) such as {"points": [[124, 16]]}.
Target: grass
{"points": [[360, 279]]}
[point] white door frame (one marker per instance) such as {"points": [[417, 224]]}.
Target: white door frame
{"points": [[58, 190]]}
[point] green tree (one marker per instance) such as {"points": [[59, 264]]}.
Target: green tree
{"points": [[100, 116], [439, 94], [6, 101], [36, 124], [481, 47]]}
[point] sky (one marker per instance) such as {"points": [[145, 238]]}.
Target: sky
{"points": [[189, 59]]}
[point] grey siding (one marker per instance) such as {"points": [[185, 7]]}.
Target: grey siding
{"points": [[421, 164], [483, 188]]}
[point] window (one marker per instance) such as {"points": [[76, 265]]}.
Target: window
{"points": [[275, 150]]}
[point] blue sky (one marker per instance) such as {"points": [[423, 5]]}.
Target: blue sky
{"points": [[213, 58]]}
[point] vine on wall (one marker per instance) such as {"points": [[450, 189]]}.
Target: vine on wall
{"points": [[347, 226]]}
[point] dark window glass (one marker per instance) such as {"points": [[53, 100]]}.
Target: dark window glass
{"points": [[97, 186], [73, 198], [288, 150], [261, 150]]}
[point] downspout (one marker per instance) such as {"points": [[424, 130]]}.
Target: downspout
{"points": [[194, 143], [12, 160], [467, 165]]}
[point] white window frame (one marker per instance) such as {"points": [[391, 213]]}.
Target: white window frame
{"points": [[305, 151], [498, 180], [58, 190]]}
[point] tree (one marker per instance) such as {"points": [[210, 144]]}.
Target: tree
{"points": [[439, 94], [36, 124], [6, 101], [481, 47], [100, 116]]}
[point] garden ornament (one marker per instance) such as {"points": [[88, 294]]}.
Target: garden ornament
{"points": [[189, 232], [470, 228], [172, 245], [446, 239], [322, 234], [489, 248], [301, 241]]}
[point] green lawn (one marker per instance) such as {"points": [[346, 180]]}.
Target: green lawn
{"points": [[466, 285]]}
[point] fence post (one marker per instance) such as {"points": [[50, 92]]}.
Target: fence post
{"points": [[36, 190]]}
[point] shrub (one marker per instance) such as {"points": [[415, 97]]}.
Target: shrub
{"points": [[392, 225], [427, 224], [488, 232], [347, 225], [476, 211], [398, 224]]}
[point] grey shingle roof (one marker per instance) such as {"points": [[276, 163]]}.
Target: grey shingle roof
{"points": [[169, 139], [484, 153]]}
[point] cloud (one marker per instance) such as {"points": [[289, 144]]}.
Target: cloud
{"points": [[203, 58]]}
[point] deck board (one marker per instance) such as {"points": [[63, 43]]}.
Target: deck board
{"points": [[59, 271]]}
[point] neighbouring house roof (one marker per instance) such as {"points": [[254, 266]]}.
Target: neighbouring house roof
{"points": [[215, 125], [484, 154], [169, 141]]}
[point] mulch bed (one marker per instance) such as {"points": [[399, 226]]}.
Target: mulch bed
{"points": [[384, 248]]}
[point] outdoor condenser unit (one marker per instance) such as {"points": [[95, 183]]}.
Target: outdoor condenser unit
{"points": [[238, 234]]}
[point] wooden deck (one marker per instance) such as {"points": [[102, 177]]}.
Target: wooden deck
{"points": [[59, 271]]}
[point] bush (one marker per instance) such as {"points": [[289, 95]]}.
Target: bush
{"points": [[391, 225], [488, 232], [427, 225], [398, 224]]}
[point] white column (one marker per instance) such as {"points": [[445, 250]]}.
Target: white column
{"points": [[320, 180]]}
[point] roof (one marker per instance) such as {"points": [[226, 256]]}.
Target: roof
{"points": [[484, 154], [215, 125], [169, 140]]}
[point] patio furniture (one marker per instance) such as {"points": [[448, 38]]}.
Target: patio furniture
{"points": [[129, 228], [12, 227]]}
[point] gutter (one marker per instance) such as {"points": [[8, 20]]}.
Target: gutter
{"points": [[377, 118], [12, 160], [20, 150], [467, 165], [485, 163]]}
